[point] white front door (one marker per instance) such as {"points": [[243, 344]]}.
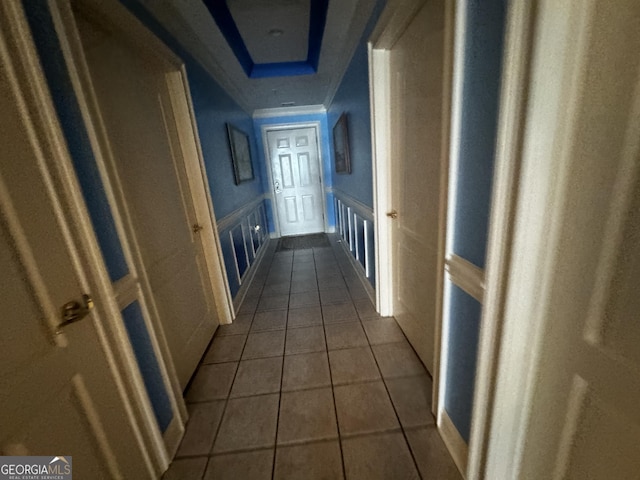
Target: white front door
{"points": [[416, 68], [135, 108], [297, 184], [59, 393]]}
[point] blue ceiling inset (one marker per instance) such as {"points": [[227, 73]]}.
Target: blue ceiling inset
{"points": [[317, 18]]}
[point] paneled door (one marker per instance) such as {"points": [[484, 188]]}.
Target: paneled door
{"points": [[297, 184], [146, 161], [60, 392], [416, 67], [579, 229]]}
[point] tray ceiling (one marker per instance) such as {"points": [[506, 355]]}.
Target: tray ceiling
{"points": [[274, 33]]}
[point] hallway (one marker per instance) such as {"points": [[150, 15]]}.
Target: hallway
{"points": [[310, 383]]}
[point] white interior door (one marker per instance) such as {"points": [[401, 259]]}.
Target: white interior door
{"points": [[567, 386], [59, 393], [416, 98], [130, 85], [585, 421], [297, 184]]}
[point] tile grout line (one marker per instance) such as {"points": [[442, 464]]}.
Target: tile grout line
{"points": [[333, 393], [284, 351], [226, 402], [386, 387], [384, 382]]}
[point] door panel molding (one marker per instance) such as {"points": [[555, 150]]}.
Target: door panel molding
{"points": [[65, 23], [265, 129], [23, 64]]}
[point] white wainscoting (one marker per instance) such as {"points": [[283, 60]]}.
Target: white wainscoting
{"points": [[244, 235], [354, 225]]}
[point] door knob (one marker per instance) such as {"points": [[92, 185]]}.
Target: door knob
{"points": [[277, 186], [392, 214], [196, 228], [73, 312]]}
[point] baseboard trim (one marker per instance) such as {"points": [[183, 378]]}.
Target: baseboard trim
{"points": [[453, 440], [173, 435]]}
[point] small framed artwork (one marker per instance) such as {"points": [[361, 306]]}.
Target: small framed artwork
{"points": [[341, 145], [240, 154]]}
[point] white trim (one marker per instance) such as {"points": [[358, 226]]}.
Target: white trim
{"points": [[71, 44], [232, 219], [465, 275], [357, 266], [447, 89], [289, 111], [265, 129], [235, 255], [513, 102], [455, 443], [350, 232], [457, 81], [379, 86], [111, 333], [199, 184], [367, 254], [250, 273], [364, 211], [540, 142]]}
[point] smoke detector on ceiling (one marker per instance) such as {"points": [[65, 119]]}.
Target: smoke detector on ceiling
{"points": [[275, 32]]}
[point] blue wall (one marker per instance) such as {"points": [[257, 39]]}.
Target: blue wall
{"points": [[352, 97], [213, 109], [480, 100], [325, 152]]}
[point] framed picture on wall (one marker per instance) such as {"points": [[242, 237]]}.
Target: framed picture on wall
{"points": [[341, 145], [240, 154]]}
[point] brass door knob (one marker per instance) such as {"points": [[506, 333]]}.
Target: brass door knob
{"points": [[392, 214]]}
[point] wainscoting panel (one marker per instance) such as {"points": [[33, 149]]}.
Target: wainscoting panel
{"points": [[355, 227], [243, 234]]}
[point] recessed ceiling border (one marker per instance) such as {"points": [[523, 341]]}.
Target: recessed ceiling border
{"points": [[221, 14]]}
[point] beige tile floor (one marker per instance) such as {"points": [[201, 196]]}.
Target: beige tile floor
{"points": [[310, 383]]}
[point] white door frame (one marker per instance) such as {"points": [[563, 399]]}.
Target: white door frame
{"points": [[394, 20], [511, 128], [118, 15], [112, 334], [267, 156]]}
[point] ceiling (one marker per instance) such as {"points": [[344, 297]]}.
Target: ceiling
{"points": [[269, 53]]}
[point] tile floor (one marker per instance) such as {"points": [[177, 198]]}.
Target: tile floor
{"points": [[310, 383]]}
